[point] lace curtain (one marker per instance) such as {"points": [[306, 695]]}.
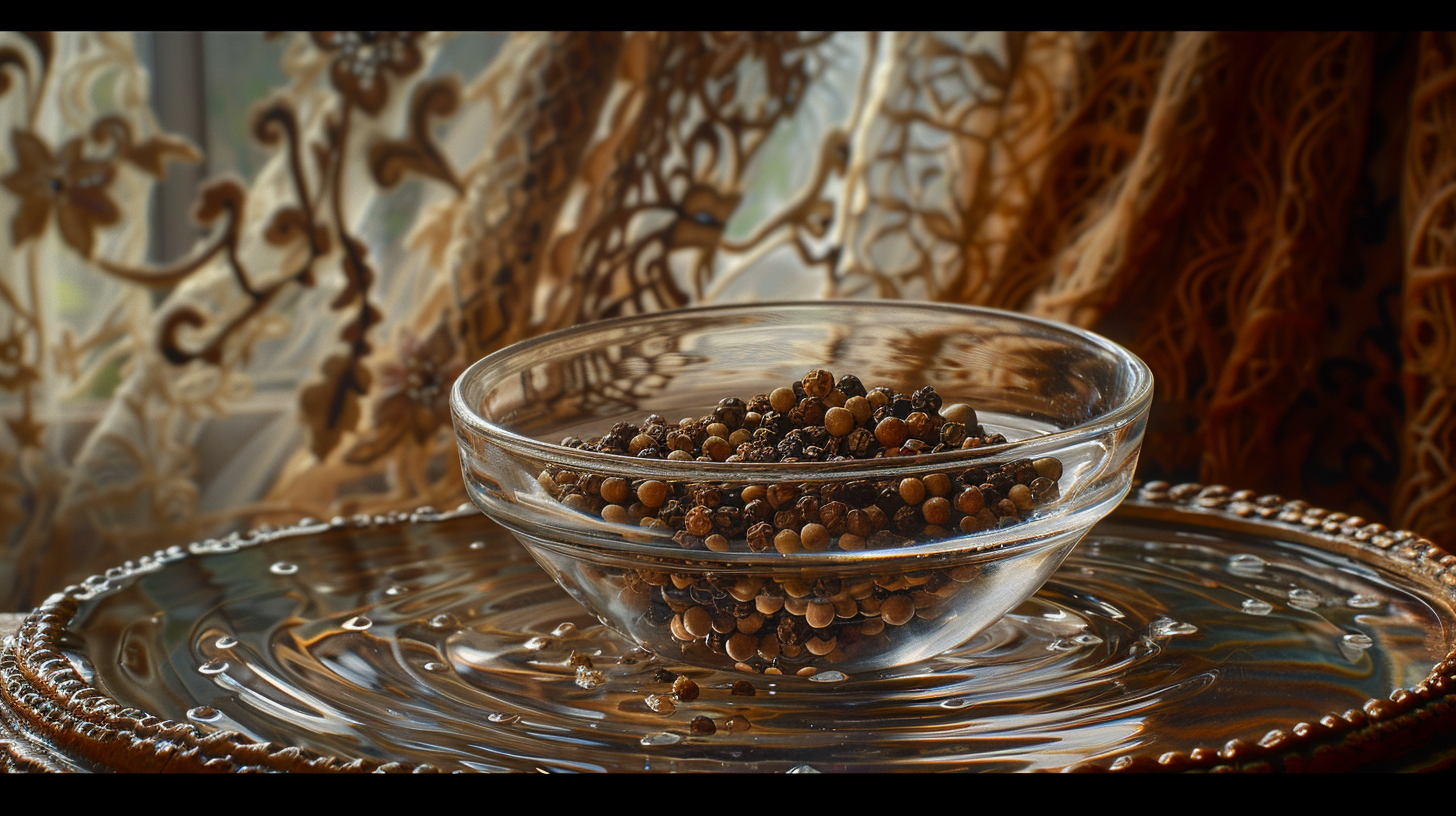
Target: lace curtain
{"points": [[1267, 219]]}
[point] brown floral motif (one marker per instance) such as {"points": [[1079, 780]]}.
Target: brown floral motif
{"points": [[414, 393], [69, 184], [364, 58]]}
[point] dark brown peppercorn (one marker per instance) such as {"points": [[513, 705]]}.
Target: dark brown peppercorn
{"points": [[834, 516], [684, 689], [743, 688], [702, 726]]}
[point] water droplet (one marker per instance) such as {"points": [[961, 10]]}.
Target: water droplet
{"points": [[213, 666], [283, 568], [565, 630], [830, 676], [1087, 640], [396, 590], [661, 738], [1062, 645], [358, 623], [203, 714], [537, 644], [1246, 564], [503, 717], [797, 769], [1167, 627], [1353, 646], [225, 642], [445, 622], [1304, 598], [589, 678], [1366, 601], [955, 702], [1357, 640], [478, 545], [435, 666], [1254, 606]]}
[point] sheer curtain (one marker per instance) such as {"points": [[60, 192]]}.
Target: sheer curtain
{"points": [[1265, 218]]}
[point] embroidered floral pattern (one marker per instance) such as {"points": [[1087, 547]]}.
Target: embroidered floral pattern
{"points": [[364, 58], [68, 185]]}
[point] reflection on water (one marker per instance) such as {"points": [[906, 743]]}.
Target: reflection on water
{"points": [[448, 646]]}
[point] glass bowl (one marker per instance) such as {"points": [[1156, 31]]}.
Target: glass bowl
{"points": [[1061, 414]]}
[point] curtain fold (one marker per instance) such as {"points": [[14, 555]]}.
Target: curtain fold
{"points": [[1265, 218]]}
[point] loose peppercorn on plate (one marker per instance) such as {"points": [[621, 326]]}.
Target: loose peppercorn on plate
{"points": [[791, 522]]}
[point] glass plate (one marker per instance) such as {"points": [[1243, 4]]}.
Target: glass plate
{"points": [[1185, 632]]}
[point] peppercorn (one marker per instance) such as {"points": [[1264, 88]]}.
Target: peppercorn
{"points": [[817, 383], [891, 432]]}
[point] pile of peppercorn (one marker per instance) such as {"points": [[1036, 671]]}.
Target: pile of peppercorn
{"points": [[814, 419]]}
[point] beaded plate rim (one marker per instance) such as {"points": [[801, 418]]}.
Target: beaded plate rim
{"points": [[57, 721]]}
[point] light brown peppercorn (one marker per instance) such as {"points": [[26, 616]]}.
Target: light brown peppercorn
{"points": [[639, 442], [678, 630], [717, 448], [860, 409], [746, 587], [820, 646], [814, 537], [1020, 495], [819, 614], [716, 543], [851, 542], [768, 604], [1049, 467], [787, 541], [753, 492], [783, 400], [576, 502], [912, 490], [891, 432], [795, 588], [750, 624], [838, 422], [897, 610], [697, 621], [615, 490], [936, 511], [937, 484], [652, 493], [959, 412], [877, 398], [741, 646], [615, 513]]}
